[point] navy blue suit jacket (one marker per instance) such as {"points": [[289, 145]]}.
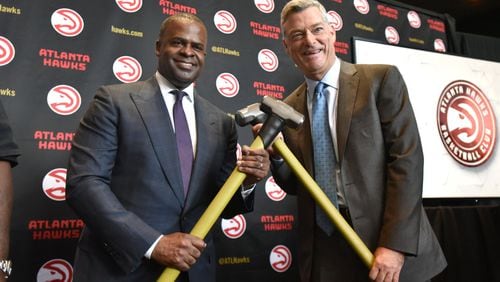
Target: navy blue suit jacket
{"points": [[124, 181]]}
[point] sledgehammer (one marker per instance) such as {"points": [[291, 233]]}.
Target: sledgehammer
{"points": [[279, 114], [253, 115]]}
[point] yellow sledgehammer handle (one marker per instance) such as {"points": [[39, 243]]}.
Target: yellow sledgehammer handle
{"points": [[214, 210], [325, 203]]}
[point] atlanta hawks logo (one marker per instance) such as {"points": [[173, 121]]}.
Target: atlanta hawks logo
{"points": [[362, 6], [127, 69], [335, 20], [414, 19], [67, 22], [225, 22], [439, 45], [54, 184], [7, 51], [280, 258], [466, 123], [391, 35], [268, 60], [273, 191], [227, 84], [235, 227], [265, 6], [129, 6], [64, 100], [55, 270]]}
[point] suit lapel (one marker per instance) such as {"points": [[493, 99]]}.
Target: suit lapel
{"points": [[154, 113], [349, 82], [304, 131]]}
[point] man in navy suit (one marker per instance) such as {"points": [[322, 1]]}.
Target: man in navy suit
{"points": [[125, 176]]}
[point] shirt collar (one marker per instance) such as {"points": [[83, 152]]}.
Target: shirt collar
{"points": [[331, 78], [166, 86]]}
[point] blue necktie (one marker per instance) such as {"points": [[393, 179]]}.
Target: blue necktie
{"points": [[184, 146], [324, 154]]}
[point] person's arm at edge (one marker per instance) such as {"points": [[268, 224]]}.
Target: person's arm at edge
{"points": [[6, 201]]}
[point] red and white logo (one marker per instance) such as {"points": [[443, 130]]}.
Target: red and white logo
{"points": [[466, 123], [439, 45], [335, 20], [391, 35], [225, 22], [414, 19], [235, 227], [64, 100], [127, 69], [362, 6], [54, 184], [265, 6], [280, 258], [129, 6], [273, 191], [268, 60], [55, 270], [227, 85], [67, 22], [7, 51]]}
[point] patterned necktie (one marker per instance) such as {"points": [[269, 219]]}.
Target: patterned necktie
{"points": [[184, 146], [324, 154]]}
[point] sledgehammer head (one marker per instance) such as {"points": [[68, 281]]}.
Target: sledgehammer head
{"points": [[291, 117], [279, 114], [251, 114], [273, 113]]}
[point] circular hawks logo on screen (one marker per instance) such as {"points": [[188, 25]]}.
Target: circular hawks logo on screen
{"points": [[466, 123]]}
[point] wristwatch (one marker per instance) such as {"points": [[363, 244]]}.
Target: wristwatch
{"points": [[6, 267]]}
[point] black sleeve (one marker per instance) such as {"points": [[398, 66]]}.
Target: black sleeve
{"points": [[9, 151]]}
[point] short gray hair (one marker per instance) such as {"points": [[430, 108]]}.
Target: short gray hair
{"points": [[296, 6]]}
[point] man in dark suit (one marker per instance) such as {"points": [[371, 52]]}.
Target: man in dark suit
{"points": [[377, 160], [127, 171]]}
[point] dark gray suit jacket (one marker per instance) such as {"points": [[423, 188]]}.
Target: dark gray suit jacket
{"points": [[124, 181], [380, 169]]}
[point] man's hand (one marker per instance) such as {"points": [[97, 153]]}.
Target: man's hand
{"points": [[387, 265], [255, 163], [178, 250]]}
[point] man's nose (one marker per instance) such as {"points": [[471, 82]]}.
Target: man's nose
{"points": [[310, 38], [187, 49]]}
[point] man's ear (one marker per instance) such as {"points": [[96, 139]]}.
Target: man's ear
{"points": [[285, 45], [157, 48], [332, 31]]}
